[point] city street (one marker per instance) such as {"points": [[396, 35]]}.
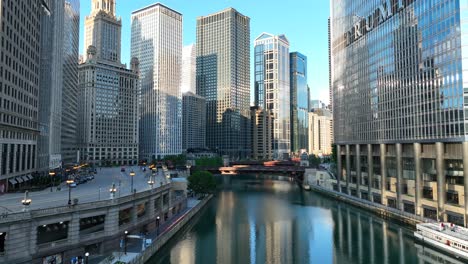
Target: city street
{"points": [[94, 190]]}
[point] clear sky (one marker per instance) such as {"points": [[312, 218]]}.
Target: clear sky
{"points": [[304, 22]]}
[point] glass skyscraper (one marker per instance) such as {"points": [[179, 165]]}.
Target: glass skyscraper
{"points": [[272, 88], [223, 76], [71, 35], [157, 43], [299, 102], [399, 103]]}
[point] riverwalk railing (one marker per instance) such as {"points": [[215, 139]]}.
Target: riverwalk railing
{"points": [[373, 206], [6, 217], [164, 237]]}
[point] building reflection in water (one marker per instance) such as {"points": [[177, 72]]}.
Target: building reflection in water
{"points": [[360, 237], [277, 225]]}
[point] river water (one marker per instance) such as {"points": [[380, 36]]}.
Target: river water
{"points": [[271, 221]]}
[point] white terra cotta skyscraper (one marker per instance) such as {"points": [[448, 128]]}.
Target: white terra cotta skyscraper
{"points": [[157, 43]]}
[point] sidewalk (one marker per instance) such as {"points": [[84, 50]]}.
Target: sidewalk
{"points": [[134, 246]]}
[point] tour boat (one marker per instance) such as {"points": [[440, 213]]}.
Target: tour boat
{"points": [[446, 236]]}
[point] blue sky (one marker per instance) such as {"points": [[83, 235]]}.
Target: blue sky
{"points": [[304, 22]]}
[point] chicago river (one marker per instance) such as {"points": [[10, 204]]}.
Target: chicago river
{"points": [[270, 221]]}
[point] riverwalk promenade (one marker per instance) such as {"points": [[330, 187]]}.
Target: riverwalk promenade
{"points": [[138, 252]]}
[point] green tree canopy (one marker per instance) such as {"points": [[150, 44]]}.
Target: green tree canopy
{"points": [[202, 182], [314, 161], [209, 162]]}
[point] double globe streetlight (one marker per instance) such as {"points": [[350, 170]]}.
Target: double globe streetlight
{"points": [[51, 174], [152, 176], [26, 201], [70, 181], [132, 175], [112, 191]]}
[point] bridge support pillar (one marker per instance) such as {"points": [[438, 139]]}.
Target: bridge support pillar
{"points": [[418, 177], [370, 172], [358, 170], [348, 169], [383, 173]]}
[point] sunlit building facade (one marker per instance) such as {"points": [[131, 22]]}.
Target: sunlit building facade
{"points": [[272, 88], [320, 132], [299, 102], [399, 104], [189, 69], [157, 43], [223, 79], [108, 94], [262, 133]]}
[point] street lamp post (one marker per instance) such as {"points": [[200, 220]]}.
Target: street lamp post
{"points": [[188, 166], [112, 191], [132, 175], [69, 182], [26, 201], [152, 176], [86, 257], [157, 226], [125, 241], [51, 174]]}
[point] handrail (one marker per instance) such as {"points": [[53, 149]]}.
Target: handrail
{"points": [[21, 216]]}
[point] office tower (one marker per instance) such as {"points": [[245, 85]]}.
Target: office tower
{"points": [[19, 90], [299, 102], [71, 35], [330, 68], [189, 69], [317, 104], [108, 95], [193, 121], [320, 132], [262, 133], [50, 87], [103, 31], [58, 78], [157, 43], [398, 105], [223, 76], [272, 87]]}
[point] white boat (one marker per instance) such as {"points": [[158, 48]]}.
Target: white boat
{"points": [[445, 236], [306, 187]]}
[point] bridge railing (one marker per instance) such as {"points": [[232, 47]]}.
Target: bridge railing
{"points": [[6, 217]]}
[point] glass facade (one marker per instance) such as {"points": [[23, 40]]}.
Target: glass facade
{"points": [[398, 81], [71, 42], [272, 87], [157, 43], [398, 70], [194, 121], [50, 91], [223, 79], [299, 102]]}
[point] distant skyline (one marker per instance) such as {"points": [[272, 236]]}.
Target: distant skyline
{"points": [[304, 23]]}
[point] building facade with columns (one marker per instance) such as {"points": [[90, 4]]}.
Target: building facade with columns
{"points": [[108, 93], [399, 105]]}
